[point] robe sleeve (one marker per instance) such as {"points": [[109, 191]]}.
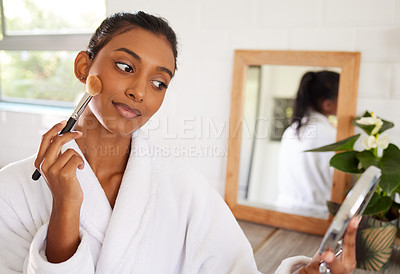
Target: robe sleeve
{"points": [[23, 227], [14, 241], [80, 262], [292, 264], [22, 253], [215, 243]]}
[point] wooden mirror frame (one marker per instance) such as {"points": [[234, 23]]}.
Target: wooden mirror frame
{"points": [[349, 63]]}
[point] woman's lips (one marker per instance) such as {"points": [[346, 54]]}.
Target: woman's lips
{"points": [[126, 111]]}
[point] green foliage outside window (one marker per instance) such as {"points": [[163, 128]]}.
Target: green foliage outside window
{"points": [[44, 74], [35, 19], [39, 75], [49, 16]]}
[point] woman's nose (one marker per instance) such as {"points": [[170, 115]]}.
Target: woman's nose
{"points": [[136, 94]]}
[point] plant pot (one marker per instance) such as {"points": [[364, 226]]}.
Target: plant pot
{"points": [[375, 242]]}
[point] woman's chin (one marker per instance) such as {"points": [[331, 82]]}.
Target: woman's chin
{"points": [[122, 129]]}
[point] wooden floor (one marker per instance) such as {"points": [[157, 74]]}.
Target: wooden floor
{"points": [[272, 245]]}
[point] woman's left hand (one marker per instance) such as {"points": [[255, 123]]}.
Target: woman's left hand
{"points": [[343, 265]]}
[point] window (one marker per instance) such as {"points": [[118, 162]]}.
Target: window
{"points": [[39, 40]]}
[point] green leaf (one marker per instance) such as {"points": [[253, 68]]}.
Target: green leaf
{"points": [[389, 182], [398, 189], [395, 205], [377, 246], [367, 159], [368, 128], [390, 165], [367, 114], [346, 161], [386, 125], [378, 205], [345, 144], [391, 159], [333, 207]]}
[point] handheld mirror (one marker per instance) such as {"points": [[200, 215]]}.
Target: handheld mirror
{"points": [[354, 204]]}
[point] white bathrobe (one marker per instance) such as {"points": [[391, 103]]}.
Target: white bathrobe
{"points": [[166, 219], [305, 178]]}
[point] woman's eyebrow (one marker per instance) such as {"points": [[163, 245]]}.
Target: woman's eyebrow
{"points": [[165, 70], [134, 55], [137, 57]]}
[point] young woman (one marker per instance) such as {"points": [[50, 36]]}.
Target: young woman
{"points": [[305, 179], [105, 203]]}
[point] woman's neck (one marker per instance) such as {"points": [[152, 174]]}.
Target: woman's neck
{"points": [[107, 153]]}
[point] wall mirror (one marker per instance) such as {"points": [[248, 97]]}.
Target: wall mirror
{"points": [[264, 85]]}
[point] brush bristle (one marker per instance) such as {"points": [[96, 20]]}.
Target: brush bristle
{"points": [[93, 85]]}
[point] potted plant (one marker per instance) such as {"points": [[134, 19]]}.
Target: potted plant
{"points": [[377, 231]]}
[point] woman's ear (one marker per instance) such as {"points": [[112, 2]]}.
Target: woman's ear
{"points": [[329, 107], [81, 66]]}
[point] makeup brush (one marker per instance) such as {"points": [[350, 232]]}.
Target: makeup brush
{"points": [[93, 87]]}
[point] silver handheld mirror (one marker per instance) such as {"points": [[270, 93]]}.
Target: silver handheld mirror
{"points": [[354, 204]]}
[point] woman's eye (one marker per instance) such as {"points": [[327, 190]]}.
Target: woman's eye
{"points": [[159, 85], [124, 67]]}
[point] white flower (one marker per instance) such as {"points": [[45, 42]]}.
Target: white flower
{"points": [[373, 120], [373, 142], [377, 127], [383, 141], [369, 142]]}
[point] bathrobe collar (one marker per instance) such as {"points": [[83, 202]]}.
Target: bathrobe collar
{"points": [[95, 210], [121, 229]]}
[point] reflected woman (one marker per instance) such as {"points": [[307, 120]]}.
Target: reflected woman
{"points": [[305, 178]]}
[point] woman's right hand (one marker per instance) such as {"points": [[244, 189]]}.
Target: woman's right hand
{"points": [[347, 263], [59, 169]]}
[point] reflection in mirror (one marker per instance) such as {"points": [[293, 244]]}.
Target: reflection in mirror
{"points": [[279, 175], [264, 86]]}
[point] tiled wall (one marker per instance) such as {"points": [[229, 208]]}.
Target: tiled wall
{"points": [[196, 111], [20, 132]]}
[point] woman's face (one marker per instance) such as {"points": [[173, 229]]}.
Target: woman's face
{"points": [[135, 68]]}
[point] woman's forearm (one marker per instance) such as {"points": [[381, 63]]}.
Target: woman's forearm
{"points": [[62, 235]]}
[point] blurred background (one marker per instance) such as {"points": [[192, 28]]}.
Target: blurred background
{"points": [[39, 40]]}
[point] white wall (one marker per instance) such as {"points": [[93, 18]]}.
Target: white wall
{"points": [[196, 112]]}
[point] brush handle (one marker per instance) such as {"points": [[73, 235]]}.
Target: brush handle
{"points": [[70, 124]]}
